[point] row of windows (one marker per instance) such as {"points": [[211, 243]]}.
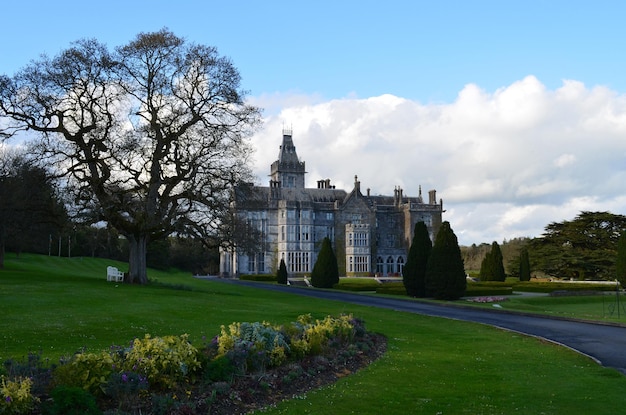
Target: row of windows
{"points": [[302, 233], [298, 261], [358, 239], [390, 265], [256, 263], [305, 214], [359, 263]]}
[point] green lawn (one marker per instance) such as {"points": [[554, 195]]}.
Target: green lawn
{"points": [[57, 305], [601, 308]]}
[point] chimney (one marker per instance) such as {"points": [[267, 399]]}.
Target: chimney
{"points": [[432, 197]]}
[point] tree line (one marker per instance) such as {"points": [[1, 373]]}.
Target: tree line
{"points": [[592, 246], [34, 218]]}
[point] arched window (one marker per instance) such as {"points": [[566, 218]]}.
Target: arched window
{"points": [[389, 265], [400, 265], [380, 265]]}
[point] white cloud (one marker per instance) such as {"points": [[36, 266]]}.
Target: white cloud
{"points": [[505, 163]]}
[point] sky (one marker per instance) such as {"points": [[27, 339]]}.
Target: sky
{"points": [[513, 111]]}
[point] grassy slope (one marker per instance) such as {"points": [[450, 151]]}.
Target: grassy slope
{"points": [[57, 306]]}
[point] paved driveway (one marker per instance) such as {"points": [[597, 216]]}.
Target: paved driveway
{"points": [[604, 343]]}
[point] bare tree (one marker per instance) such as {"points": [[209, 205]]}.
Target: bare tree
{"points": [[152, 136]]}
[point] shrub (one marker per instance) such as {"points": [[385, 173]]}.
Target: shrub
{"points": [[315, 335], [220, 369], [325, 271], [89, 371], [16, 396], [282, 277], [162, 360], [258, 277], [255, 345], [391, 288], [72, 401], [126, 387], [414, 272], [445, 275]]}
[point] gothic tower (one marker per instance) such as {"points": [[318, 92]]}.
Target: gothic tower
{"points": [[288, 171]]}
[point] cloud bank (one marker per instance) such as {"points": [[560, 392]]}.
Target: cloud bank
{"points": [[505, 163]]}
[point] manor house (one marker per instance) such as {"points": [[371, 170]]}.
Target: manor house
{"points": [[369, 234]]}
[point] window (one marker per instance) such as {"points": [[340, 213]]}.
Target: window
{"points": [[260, 266], [380, 265], [305, 232], [298, 262], [361, 263], [390, 265], [400, 265], [251, 269], [360, 239]]}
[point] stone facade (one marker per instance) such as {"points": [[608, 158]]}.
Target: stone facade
{"points": [[370, 234]]}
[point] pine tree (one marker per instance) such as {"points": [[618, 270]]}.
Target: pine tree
{"points": [[445, 274], [620, 262], [325, 271], [414, 272], [524, 265], [282, 276]]}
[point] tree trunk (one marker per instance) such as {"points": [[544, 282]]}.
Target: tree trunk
{"points": [[137, 269]]}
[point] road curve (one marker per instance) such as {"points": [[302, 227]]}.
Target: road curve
{"points": [[604, 343]]}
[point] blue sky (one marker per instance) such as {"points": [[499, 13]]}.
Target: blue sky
{"points": [[513, 110], [421, 50]]}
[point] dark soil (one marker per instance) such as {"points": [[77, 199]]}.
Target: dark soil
{"points": [[253, 392]]}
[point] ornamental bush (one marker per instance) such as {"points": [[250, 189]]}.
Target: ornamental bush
{"points": [[282, 277], [72, 401], [89, 371], [414, 272], [253, 345], [16, 396], [325, 272], [162, 360]]}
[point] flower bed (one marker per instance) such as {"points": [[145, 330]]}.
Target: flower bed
{"points": [[246, 366], [487, 299]]}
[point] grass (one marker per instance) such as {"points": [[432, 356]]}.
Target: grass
{"points": [[601, 308], [57, 305]]}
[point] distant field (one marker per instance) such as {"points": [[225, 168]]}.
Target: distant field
{"points": [[57, 306]]}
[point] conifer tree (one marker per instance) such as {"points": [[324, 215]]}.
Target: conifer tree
{"points": [[492, 267], [620, 262], [414, 272], [524, 265], [282, 276], [485, 268], [445, 274], [325, 271]]}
